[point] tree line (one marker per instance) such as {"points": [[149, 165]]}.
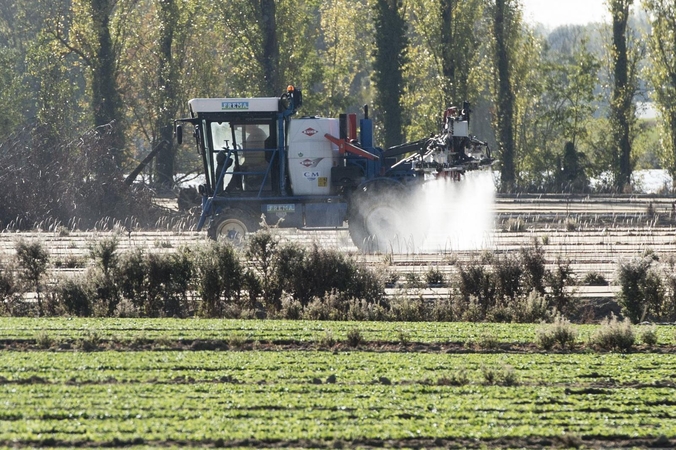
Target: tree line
{"points": [[559, 106]]}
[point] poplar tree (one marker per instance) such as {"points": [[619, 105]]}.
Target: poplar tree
{"points": [[504, 20], [662, 71], [388, 65], [622, 114]]}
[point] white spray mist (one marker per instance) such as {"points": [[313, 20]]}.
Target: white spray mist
{"points": [[450, 215]]}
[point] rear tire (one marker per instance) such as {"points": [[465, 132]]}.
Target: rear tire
{"points": [[376, 217], [232, 225]]}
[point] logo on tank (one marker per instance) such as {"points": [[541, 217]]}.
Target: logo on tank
{"points": [[309, 131], [310, 162]]}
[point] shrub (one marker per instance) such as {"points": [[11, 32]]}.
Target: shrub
{"points": [[457, 378], [531, 308], [251, 284], [168, 281], [126, 309], [236, 341], [471, 310], [488, 342], [293, 274], [329, 270], [361, 310], [504, 376], [366, 284], [391, 278], [327, 341], [329, 307], [533, 262], [354, 337], [668, 312], [89, 343], [219, 277], [52, 304], [104, 253], [75, 296], [291, 308], [262, 252], [475, 282], [653, 295], [238, 311], [594, 279], [559, 280], [9, 290], [434, 277], [641, 291], [404, 337], [32, 259], [105, 292], [412, 280], [507, 273], [648, 335], [309, 274], [500, 314], [44, 340], [614, 335], [559, 333], [407, 309], [509, 377], [131, 278], [442, 310]]}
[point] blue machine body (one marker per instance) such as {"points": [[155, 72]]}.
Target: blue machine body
{"points": [[249, 177]]}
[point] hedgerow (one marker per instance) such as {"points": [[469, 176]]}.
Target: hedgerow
{"points": [[272, 278]]}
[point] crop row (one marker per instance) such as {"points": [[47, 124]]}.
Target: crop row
{"points": [[180, 412], [275, 395], [301, 367], [281, 330]]}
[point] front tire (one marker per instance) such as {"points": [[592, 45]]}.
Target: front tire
{"points": [[232, 225]]}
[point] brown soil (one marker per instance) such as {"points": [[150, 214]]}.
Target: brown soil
{"points": [[527, 442], [289, 345]]}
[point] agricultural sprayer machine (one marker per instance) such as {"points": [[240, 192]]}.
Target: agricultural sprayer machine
{"points": [[263, 166]]}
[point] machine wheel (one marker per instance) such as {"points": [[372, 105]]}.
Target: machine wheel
{"points": [[376, 218], [232, 225]]}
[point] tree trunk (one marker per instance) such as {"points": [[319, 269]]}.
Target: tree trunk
{"points": [[671, 123], [505, 100], [105, 96], [390, 42], [270, 61], [448, 62], [166, 154], [621, 111]]}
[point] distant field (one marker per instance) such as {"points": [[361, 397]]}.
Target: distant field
{"points": [[401, 387]]}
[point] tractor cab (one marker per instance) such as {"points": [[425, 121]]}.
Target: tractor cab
{"points": [[238, 141]]}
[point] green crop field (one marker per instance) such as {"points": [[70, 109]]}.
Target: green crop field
{"points": [[273, 385]]}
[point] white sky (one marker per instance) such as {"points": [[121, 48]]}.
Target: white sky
{"points": [[553, 13]]}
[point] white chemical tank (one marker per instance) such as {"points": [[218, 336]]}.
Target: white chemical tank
{"points": [[311, 156]]}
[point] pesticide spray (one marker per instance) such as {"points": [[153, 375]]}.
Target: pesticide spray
{"points": [[444, 215], [459, 215]]}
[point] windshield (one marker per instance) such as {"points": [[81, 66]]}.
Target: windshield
{"points": [[246, 146]]}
